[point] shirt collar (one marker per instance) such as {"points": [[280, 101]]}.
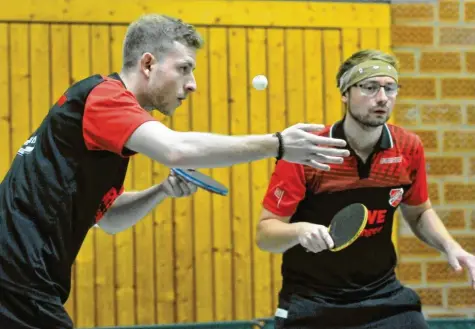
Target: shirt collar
{"points": [[116, 76]]}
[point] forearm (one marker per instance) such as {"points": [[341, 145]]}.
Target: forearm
{"points": [[131, 207], [210, 150], [276, 236], [430, 229], [199, 150]]}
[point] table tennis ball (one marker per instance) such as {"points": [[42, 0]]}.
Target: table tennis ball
{"points": [[259, 82]]}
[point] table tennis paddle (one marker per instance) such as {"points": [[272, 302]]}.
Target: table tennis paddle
{"points": [[347, 225], [201, 180]]}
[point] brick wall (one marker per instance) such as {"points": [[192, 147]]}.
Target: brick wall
{"points": [[435, 43]]}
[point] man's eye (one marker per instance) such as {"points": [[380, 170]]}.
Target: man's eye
{"points": [[369, 87]]}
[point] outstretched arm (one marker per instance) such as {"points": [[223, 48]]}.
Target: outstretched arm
{"points": [[114, 121], [200, 150]]}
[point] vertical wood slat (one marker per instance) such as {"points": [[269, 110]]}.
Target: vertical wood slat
{"points": [[144, 238], [59, 71], [124, 260], [85, 300], [5, 101], [20, 85], [164, 276], [183, 219], [294, 75], [258, 109], [40, 69], [104, 242], [332, 60], [202, 208], [350, 42], [369, 38], [313, 79], [222, 238], [163, 227], [239, 194], [277, 109]]}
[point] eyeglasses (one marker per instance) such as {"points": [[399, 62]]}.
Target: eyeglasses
{"points": [[371, 88]]}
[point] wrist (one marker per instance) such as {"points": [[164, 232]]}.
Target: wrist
{"points": [[161, 191], [269, 143], [297, 227], [280, 146], [450, 245]]}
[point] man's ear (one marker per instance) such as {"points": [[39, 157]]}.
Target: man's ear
{"points": [[146, 63], [344, 97]]}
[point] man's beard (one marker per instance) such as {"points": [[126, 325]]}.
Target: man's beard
{"points": [[367, 121]]}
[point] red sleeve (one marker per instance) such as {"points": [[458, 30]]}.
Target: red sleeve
{"points": [[111, 115], [417, 193], [286, 189]]}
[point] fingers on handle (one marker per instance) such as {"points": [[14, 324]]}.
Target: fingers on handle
{"points": [[306, 242], [323, 238], [328, 239]]}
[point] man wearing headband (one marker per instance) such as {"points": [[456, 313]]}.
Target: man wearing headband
{"points": [[357, 286]]}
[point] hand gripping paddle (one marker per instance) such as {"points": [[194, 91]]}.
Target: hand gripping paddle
{"points": [[347, 225], [201, 180]]}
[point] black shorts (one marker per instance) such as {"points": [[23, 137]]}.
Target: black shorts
{"points": [[400, 309], [19, 311]]}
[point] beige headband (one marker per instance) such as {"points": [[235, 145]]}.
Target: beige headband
{"points": [[365, 70]]}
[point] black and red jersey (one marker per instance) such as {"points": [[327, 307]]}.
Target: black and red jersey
{"points": [[62, 181], [394, 173]]}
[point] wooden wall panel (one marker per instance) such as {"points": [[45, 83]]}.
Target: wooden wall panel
{"points": [[221, 207], [184, 226], [103, 242], [259, 124], [277, 102], [85, 294], [5, 99], [124, 256], [331, 58], [241, 174], [202, 203], [19, 85]]}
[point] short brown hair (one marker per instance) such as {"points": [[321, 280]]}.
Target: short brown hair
{"points": [[156, 34], [363, 56]]}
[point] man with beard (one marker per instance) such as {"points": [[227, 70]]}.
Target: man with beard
{"points": [[355, 287]]}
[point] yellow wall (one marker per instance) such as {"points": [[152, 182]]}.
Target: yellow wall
{"points": [[192, 259]]}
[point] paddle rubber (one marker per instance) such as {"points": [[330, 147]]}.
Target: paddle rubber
{"points": [[347, 225], [201, 180]]}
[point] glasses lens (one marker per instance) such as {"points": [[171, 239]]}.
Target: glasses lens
{"points": [[372, 88]]}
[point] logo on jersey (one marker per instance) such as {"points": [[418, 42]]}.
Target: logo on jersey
{"points": [[395, 196], [375, 224], [107, 202], [391, 160], [279, 194], [28, 146]]}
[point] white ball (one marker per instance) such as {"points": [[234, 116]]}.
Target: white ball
{"points": [[259, 82]]}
